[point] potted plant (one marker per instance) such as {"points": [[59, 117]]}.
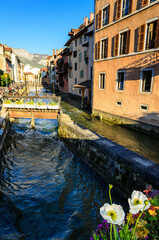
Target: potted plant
{"points": [[53, 105], [19, 104], [7, 103], [30, 104], [41, 105]]}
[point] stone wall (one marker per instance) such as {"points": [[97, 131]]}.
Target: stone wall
{"points": [[6, 124], [117, 165]]}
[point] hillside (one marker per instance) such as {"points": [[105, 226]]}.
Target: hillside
{"points": [[35, 60]]}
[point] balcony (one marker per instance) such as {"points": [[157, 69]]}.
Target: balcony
{"points": [[60, 61]]}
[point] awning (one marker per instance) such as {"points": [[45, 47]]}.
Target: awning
{"points": [[85, 84]]}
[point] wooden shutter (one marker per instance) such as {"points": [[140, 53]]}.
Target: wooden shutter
{"points": [[130, 6], [98, 50], [100, 19], [106, 48], [141, 38], [118, 9], [116, 45], [97, 19], [157, 35], [144, 3], [108, 14], [128, 42]]}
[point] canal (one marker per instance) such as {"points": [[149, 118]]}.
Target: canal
{"points": [[46, 192], [140, 143]]}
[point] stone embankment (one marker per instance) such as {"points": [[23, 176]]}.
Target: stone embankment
{"points": [[4, 127], [117, 165]]}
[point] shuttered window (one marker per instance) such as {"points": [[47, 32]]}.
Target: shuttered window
{"points": [[124, 42], [157, 35], [151, 35], [97, 50], [105, 16], [128, 42], [118, 9], [97, 19], [100, 19], [126, 7], [104, 48], [102, 80], [116, 43], [141, 38]]}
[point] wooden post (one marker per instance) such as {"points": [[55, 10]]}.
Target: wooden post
{"points": [[83, 93], [32, 125]]}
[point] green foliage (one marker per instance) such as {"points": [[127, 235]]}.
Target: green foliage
{"points": [[4, 79]]}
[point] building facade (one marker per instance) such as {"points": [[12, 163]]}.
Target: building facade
{"points": [[126, 64], [80, 62]]}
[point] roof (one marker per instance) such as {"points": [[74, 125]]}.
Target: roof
{"points": [[8, 49], [80, 32], [85, 84]]}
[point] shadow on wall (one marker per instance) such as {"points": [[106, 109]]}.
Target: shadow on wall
{"points": [[150, 60]]}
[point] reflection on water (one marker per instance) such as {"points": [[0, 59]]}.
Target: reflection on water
{"points": [[141, 143], [46, 191]]}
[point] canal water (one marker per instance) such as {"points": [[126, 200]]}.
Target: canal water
{"points": [[46, 192], [140, 143]]}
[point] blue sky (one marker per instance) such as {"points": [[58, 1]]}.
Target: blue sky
{"points": [[40, 25]]}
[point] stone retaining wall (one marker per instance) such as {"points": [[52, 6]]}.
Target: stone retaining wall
{"points": [[119, 166], [148, 125], [6, 124]]}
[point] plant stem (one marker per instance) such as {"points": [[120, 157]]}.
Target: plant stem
{"points": [[111, 232], [110, 195], [137, 223], [128, 223], [114, 231]]}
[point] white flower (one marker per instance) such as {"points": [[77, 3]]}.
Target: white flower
{"points": [[112, 213], [137, 202]]}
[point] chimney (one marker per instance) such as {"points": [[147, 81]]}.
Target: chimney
{"points": [[56, 51], [91, 16], [86, 21], [53, 52]]}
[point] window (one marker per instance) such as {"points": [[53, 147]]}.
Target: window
{"points": [[126, 8], [85, 53], [80, 57], [75, 54], [146, 80], [120, 81], [79, 91], [69, 74], [75, 81], [81, 74], [144, 107], [80, 40], [151, 35], [76, 43], [102, 80], [104, 48], [119, 103], [85, 38], [105, 16], [98, 20], [124, 42], [75, 66]]}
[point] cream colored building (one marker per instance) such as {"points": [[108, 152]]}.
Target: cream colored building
{"points": [[80, 63]]}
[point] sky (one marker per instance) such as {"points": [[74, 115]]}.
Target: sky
{"points": [[39, 26]]}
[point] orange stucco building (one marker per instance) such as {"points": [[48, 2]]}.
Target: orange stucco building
{"points": [[126, 64]]}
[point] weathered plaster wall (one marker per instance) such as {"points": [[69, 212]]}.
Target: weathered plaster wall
{"points": [[121, 167]]}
